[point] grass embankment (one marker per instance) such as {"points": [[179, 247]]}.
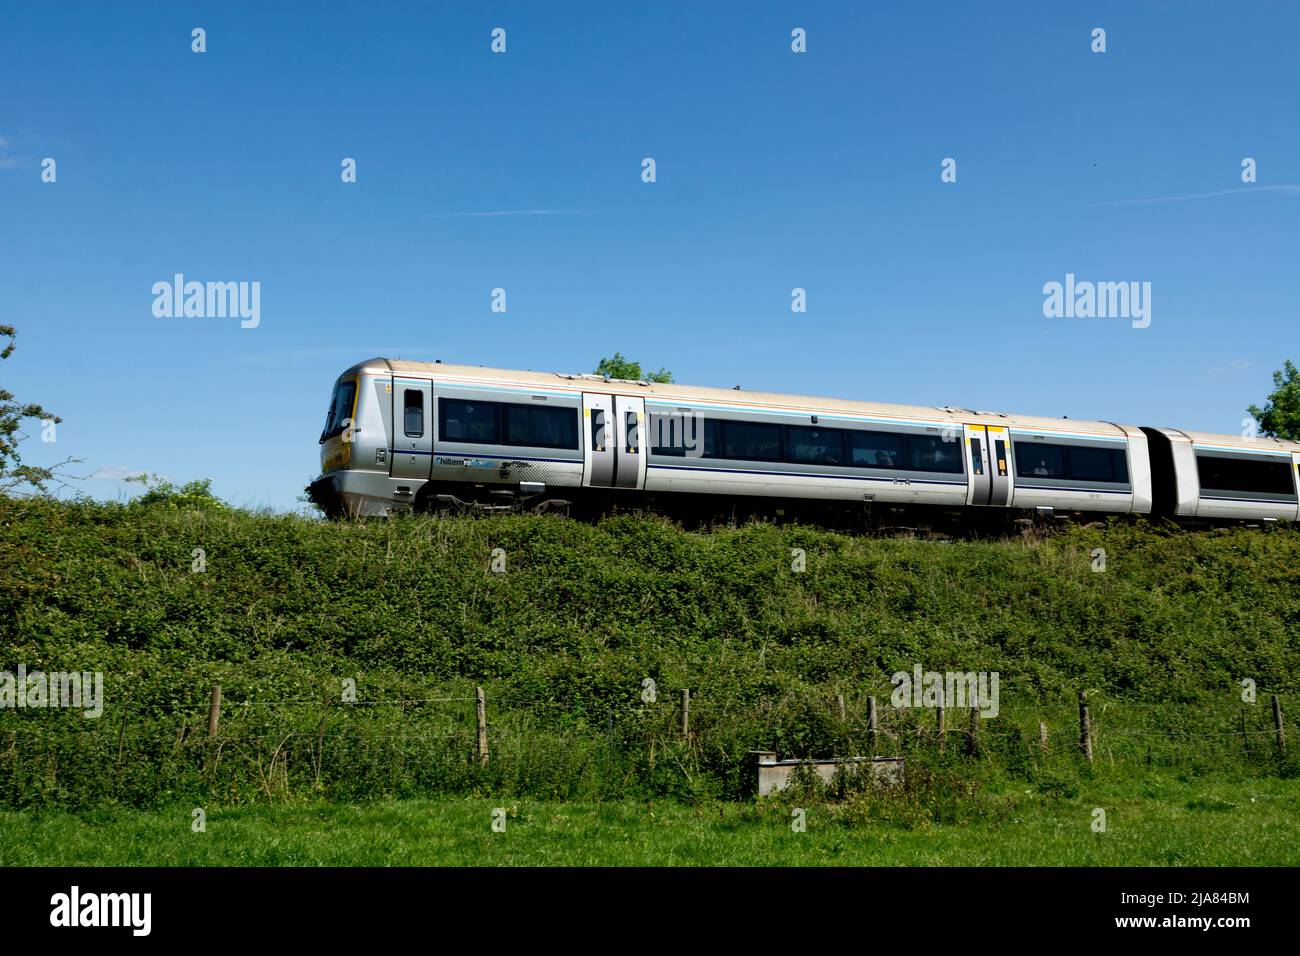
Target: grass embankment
{"points": [[286, 610]]}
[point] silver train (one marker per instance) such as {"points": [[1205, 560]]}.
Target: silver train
{"points": [[402, 435]]}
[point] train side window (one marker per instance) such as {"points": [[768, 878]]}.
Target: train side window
{"points": [[1119, 464], [1090, 464], [1000, 447], [597, 429], [413, 413], [814, 446], [932, 453], [1247, 475], [875, 450], [1038, 460], [977, 456], [750, 441], [673, 434], [537, 426], [468, 422], [630, 427], [713, 438]]}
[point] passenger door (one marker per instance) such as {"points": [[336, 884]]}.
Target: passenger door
{"points": [[980, 486], [999, 465], [598, 440], [629, 462], [412, 449], [613, 441]]}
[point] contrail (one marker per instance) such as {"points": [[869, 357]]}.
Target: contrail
{"points": [[1286, 190]]}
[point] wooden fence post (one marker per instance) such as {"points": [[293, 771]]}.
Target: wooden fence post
{"points": [[686, 714], [974, 730], [320, 743], [480, 709], [1042, 735], [121, 736], [943, 725], [1277, 723], [1085, 726], [609, 732], [839, 706], [872, 725], [214, 712]]}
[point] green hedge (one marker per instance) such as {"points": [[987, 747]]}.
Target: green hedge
{"points": [[288, 607]]}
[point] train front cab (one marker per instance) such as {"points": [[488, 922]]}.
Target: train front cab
{"points": [[367, 471]]}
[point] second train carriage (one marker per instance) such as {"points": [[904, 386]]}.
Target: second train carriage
{"points": [[402, 434]]}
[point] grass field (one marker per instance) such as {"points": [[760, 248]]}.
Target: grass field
{"points": [[1161, 822]]}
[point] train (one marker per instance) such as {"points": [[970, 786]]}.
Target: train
{"points": [[403, 435]]}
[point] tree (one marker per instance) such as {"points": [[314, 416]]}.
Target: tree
{"points": [[619, 367], [161, 493], [13, 473], [1280, 418]]}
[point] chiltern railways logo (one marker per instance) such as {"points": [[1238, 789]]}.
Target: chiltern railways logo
{"points": [[103, 909]]}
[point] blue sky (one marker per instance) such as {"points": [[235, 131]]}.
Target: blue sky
{"points": [[775, 170]]}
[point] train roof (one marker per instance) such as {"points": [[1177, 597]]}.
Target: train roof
{"points": [[1260, 443], [744, 399]]}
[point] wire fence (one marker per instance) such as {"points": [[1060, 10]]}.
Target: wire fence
{"points": [[670, 740]]}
